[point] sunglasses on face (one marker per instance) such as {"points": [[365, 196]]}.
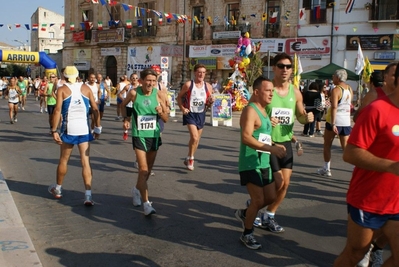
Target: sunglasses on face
{"points": [[52, 76], [282, 66]]}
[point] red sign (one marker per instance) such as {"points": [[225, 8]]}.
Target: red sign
{"points": [[78, 37]]}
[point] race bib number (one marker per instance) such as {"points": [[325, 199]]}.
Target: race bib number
{"points": [[283, 114], [265, 139], [146, 123]]}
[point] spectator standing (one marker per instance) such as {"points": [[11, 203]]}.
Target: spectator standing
{"points": [[312, 101]]}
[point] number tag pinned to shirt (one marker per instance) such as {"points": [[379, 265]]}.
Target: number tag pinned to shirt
{"points": [[283, 114], [146, 122], [265, 139]]}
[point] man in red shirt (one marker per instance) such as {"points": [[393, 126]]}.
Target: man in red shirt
{"points": [[373, 199]]}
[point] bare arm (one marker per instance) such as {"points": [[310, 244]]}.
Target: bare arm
{"points": [[335, 95], [162, 108], [180, 96], [300, 111], [249, 121], [364, 159], [61, 92]]}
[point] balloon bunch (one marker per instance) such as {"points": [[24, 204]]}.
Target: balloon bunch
{"points": [[239, 94], [243, 50]]}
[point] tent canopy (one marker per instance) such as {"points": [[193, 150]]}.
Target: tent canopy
{"points": [[326, 72]]}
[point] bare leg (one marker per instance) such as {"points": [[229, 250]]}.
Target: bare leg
{"points": [[195, 136], [328, 140], [286, 177], [84, 150], [145, 162], [65, 154]]}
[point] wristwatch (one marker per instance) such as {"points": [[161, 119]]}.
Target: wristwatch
{"points": [[53, 131]]}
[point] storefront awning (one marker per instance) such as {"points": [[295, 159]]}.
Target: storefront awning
{"points": [[379, 65]]}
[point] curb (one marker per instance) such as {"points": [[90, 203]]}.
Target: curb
{"points": [[16, 247]]}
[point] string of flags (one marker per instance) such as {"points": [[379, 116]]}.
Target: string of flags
{"points": [[33, 27]]}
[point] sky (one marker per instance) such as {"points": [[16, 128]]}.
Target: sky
{"points": [[20, 11]]}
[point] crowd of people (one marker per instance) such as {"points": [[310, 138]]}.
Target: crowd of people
{"points": [[266, 157]]}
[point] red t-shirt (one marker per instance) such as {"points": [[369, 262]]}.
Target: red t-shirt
{"points": [[376, 130]]}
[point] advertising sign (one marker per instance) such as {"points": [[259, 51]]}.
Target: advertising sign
{"points": [[109, 36], [308, 47], [172, 102], [111, 51], [370, 42], [221, 108], [142, 57], [82, 54]]}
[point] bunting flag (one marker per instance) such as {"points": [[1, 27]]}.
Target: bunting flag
{"points": [[336, 28], [139, 23], [72, 26], [349, 6], [159, 14], [287, 14], [85, 18], [302, 14], [44, 27], [253, 15], [94, 1], [264, 16], [9, 27], [35, 27], [209, 20], [317, 12], [196, 20], [244, 17], [136, 12], [27, 27], [1, 25], [83, 26], [127, 7], [359, 60], [103, 3], [52, 24], [112, 2], [100, 25], [62, 25], [17, 25], [160, 20], [273, 19], [368, 70], [129, 24]]}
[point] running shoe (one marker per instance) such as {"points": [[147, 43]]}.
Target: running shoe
{"points": [[319, 133], [324, 172], [240, 217], [52, 189], [189, 163], [12, 121], [376, 258], [299, 148], [311, 135], [45, 110], [15, 119], [148, 209], [366, 259], [250, 242], [41, 110], [88, 201], [136, 197], [272, 225], [23, 108], [257, 221]]}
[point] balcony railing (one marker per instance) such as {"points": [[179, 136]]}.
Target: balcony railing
{"points": [[141, 31], [239, 27], [384, 11]]}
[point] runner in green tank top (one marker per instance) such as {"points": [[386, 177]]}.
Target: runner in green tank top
{"points": [[286, 105], [254, 160], [51, 99], [148, 106], [22, 84]]}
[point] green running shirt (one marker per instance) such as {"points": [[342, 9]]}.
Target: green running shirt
{"points": [[249, 158], [144, 116], [51, 101], [283, 107]]}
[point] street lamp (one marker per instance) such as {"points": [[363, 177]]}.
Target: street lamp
{"points": [[184, 62], [21, 44]]}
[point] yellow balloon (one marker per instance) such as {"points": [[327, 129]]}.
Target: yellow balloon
{"points": [[246, 61], [241, 65]]}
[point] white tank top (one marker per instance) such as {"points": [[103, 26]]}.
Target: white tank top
{"points": [[198, 99], [94, 89], [75, 120], [13, 95], [343, 116]]}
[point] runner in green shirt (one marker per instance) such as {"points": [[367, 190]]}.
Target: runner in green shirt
{"points": [[23, 85]]}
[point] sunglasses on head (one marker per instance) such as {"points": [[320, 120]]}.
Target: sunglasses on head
{"points": [[282, 66]]}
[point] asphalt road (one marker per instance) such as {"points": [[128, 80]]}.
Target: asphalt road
{"points": [[194, 224]]}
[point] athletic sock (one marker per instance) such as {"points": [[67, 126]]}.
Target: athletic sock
{"points": [[327, 165], [88, 193], [270, 214], [248, 231], [58, 187]]}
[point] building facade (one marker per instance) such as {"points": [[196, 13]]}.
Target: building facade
{"points": [[127, 36], [47, 35]]}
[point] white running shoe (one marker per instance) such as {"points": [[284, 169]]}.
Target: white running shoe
{"points": [[189, 163], [148, 209], [88, 201], [324, 172], [136, 197], [45, 110]]}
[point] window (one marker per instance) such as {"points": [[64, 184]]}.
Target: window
{"points": [[116, 12], [318, 10], [51, 35], [233, 15], [272, 29], [198, 29], [385, 10], [148, 18]]}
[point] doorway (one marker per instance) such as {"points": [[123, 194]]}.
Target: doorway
{"points": [[111, 69]]}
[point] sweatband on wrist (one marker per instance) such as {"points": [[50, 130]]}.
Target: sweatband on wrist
{"points": [[97, 130]]}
